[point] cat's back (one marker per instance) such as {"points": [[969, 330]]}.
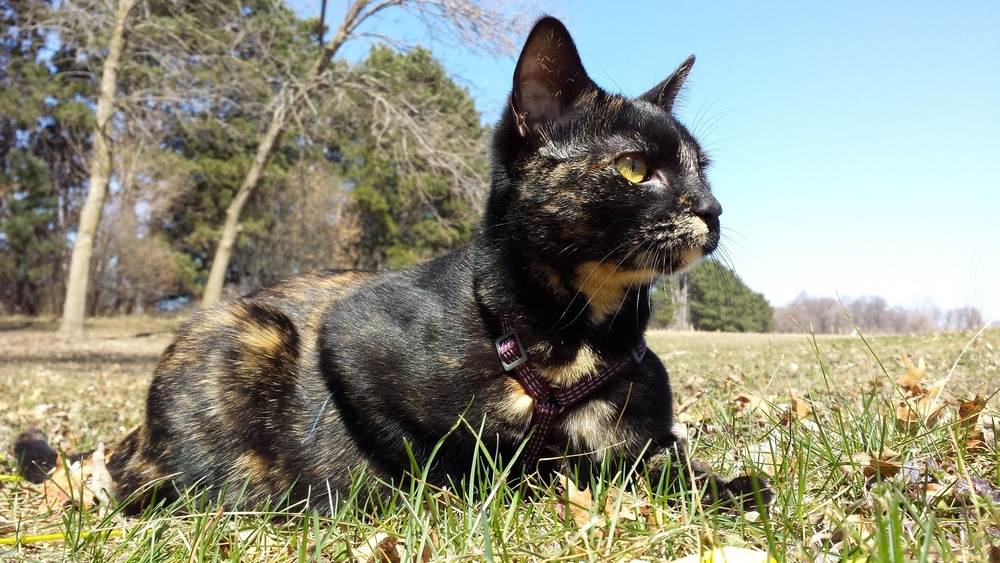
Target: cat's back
{"points": [[276, 333]]}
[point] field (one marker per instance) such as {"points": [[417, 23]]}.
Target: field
{"points": [[877, 446]]}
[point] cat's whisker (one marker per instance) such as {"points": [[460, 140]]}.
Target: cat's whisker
{"points": [[571, 247], [579, 289], [624, 297], [593, 271]]}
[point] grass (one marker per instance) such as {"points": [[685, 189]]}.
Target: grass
{"points": [[856, 478]]}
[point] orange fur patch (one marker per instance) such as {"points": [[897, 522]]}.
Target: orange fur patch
{"points": [[604, 286]]}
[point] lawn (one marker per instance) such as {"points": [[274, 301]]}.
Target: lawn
{"points": [[877, 445]]}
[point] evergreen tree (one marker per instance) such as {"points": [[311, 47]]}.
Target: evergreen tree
{"points": [[412, 205], [44, 128], [663, 303], [720, 301]]}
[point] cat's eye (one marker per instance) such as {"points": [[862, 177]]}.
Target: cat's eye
{"points": [[632, 167]]}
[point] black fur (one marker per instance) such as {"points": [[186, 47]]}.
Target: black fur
{"points": [[299, 386]]}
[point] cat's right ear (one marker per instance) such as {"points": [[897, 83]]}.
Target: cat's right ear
{"points": [[665, 93], [548, 78]]}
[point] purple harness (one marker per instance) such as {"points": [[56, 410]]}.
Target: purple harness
{"points": [[549, 400]]}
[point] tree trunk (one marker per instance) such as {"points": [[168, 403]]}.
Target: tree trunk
{"points": [[286, 101], [231, 230], [100, 175], [681, 297]]}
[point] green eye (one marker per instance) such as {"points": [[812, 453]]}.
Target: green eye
{"points": [[632, 167]]}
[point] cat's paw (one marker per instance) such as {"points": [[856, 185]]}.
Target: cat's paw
{"points": [[748, 492]]}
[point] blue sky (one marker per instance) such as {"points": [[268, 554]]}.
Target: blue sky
{"points": [[856, 145]]}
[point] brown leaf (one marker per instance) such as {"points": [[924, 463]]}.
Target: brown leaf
{"points": [[916, 412], [751, 404], [766, 456], [683, 407], [624, 505], [912, 380], [882, 468], [580, 503], [379, 548], [968, 411], [386, 551], [975, 440], [66, 485], [800, 407], [907, 417], [860, 460]]}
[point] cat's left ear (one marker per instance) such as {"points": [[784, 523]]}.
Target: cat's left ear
{"points": [[665, 93], [548, 79]]}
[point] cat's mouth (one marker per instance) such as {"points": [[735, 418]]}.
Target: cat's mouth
{"points": [[677, 244]]}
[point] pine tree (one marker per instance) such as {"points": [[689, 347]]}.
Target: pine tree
{"points": [[720, 301], [44, 135]]}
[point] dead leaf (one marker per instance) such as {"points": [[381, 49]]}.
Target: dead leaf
{"points": [[380, 548], [766, 456], [751, 404], [860, 460], [912, 381], [968, 411], [66, 485], [580, 503], [800, 407], [882, 468], [624, 506], [918, 412], [101, 482], [683, 407]]}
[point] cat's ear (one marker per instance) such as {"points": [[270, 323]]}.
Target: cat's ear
{"points": [[548, 78], [665, 93]]}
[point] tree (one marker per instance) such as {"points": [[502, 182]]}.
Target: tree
{"points": [[476, 26], [44, 133], [720, 301], [406, 198], [870, 315], [668, 300], [194, 66], [74, 307], [963, 318], [308, 227]]}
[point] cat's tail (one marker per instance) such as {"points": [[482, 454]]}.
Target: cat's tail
{"points": [[35, 458], [131, 471]]}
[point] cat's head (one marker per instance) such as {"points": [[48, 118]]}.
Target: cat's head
{"points": [[606, 190]]}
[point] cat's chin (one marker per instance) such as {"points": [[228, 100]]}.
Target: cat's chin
{"points": [[688, 259]]}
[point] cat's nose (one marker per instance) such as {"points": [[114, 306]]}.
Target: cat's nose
{"points": [[708, 208]]}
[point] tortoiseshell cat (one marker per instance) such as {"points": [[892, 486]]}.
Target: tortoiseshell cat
{"points": [[296, 387]]}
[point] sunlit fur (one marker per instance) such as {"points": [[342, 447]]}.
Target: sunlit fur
{"points": [[294, 389]]}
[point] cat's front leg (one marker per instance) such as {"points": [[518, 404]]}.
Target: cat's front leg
{"points": [[679, 472]]}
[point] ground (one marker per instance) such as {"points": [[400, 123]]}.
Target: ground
{"points": [[869, 458]]}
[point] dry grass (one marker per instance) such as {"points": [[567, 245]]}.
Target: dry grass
{"points": [[92, 391]]}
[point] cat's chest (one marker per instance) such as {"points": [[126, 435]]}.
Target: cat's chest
{"points": [[588, 426]]}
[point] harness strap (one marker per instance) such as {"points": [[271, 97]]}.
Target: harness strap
{"points": [[549, 400]]}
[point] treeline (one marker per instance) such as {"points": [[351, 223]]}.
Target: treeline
{"points": [[870, 315], [226, 137], [711, 297]]}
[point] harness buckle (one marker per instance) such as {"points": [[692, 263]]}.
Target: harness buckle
{"points": [[638, 355], [499, 343]]}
